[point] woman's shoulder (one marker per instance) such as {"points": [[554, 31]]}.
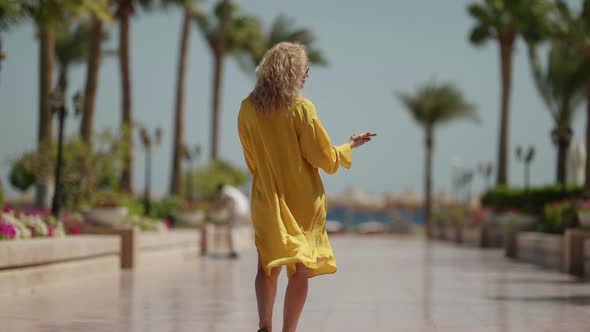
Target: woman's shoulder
{"points": [[245, 102], [304, 106], [245, 106], [303, 102]]}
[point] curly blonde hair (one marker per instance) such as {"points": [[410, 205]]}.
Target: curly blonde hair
{"points": [[278, 77]]}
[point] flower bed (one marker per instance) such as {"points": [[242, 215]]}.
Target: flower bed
{"points": [[15, 225]]}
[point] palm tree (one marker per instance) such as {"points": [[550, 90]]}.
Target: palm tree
{"points": [[227, 31], [432, 105], [575, 28], [49, 16], [177, 148], [504, 21], [561, 86], [125, 9], [94, 49]]}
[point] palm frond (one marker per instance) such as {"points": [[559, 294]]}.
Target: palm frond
{"points": [[562, 83], [434, 104]]}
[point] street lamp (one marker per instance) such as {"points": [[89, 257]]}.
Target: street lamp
{"points": [[58, 106], [526, 158], [191, 155], [465, 179], [148, 141], [486, 169]]}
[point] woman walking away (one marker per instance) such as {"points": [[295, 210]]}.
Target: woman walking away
{"points": [[284, 146]]}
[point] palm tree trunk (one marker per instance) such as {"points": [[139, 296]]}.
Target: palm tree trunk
{"points": [[125, 10], [429, 143], [179, 117], [506, 41], [561, 159], [46, 52], [219, 53], [44, 135], [587, 173], [62, 81], [91, 81]]}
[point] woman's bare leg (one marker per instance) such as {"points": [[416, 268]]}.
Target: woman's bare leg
{"points": [[295, 297], [266, 291]]}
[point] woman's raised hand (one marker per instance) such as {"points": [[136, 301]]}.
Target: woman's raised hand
{"points": [[357, 140]]}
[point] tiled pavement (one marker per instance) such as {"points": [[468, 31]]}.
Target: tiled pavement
{"points": [[383, 284]]}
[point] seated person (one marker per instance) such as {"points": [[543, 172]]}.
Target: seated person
{"points": [[238, 207]]}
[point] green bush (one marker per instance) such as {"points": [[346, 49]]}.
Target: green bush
{"points": [[558, 216], [85, 170], [165, 208], [504, 198], [22, 175], [206, 180]]}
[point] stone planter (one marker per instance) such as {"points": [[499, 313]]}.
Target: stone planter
{"points": [[542, 249], [439, 232], [457, 232], [511, 242], [31, 263], [473, 235], [191, 218], [487, 235], [134, 243], [584, 218], [106, 216], [449, 232], [574, 251], [512, 225]]}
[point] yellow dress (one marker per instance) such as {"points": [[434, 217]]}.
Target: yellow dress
{"points": [[284, 152]]}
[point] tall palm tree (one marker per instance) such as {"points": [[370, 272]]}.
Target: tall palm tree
{"points": [[228, 31], [575, 28], [126, 9], [432, 105], [95, 39], [48, 16], [562, 87], [504, 21], [177, 148]]}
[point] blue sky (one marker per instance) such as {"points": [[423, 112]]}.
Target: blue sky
{"points": [[374, 49]]}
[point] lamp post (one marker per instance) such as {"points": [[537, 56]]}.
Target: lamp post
{"points": [[191, 155], [58, 105], [526, 158], [148, 141], [486, 169]]}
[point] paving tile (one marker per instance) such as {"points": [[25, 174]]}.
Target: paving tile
{"points": [[383, 284]]}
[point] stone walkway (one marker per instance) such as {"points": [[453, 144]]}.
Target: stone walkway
{"points": [[383, 284]]}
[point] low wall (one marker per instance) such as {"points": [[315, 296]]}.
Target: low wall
{"points": [[26, 264]]}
